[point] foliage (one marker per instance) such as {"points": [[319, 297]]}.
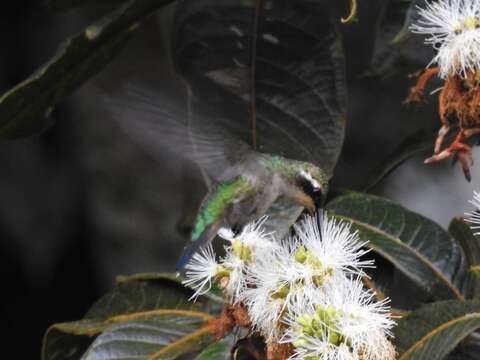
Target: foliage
{"points": [[151, 311], [26, 108], [149, 315]]}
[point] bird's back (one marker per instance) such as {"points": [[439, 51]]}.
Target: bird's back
{"points": [[216, 202]]}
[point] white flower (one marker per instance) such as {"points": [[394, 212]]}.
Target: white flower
{"points": [[338, 248], [241, 252], [366, 323], [265, 312], [343, 323], [474, 216], [278, 282], [230, 271], [294, 272], [453, 28], [201, 270], [254, 238]]}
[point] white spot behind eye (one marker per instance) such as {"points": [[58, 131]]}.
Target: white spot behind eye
{"points": [[236, 30], [270, 38], [309, 177]]}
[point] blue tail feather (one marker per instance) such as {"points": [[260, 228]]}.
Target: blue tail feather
{"points": [[191, 248], [187, 254]]}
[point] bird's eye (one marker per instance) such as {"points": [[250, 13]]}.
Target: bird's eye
{"points": [[311, 187]]}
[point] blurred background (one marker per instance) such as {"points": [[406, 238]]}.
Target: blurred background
{"points": [[82, 203]]}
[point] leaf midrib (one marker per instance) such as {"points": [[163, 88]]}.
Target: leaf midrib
{"points": [[438, 329], [180, 342]]}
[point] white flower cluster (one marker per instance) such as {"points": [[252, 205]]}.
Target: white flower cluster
{"points": [[230, 272], [453, 28], [474, 216], [344, 323], [305, 291]]}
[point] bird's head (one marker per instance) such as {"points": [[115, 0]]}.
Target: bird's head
{"points": [[313, 182]]}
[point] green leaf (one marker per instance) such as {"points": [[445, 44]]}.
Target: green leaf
{"points": [[395, 46], [160, 276], [462, 232], [389, 23], [290, 57], [68, 341], [411, 16], [468, 349], [133, 298], [143, 295], [419, 142], [415, 245], [25, 108], [214, 295], [239, 346], [414, 144], [434, 330], [154, 337], [219, 350]]}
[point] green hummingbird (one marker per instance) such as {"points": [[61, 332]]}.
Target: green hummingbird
{"points": [[245, 182]]}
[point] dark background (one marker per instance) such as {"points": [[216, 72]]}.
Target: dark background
{"points": [[81, 203]]}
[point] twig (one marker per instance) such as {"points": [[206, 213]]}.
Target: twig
{"points": [[253, 60]]}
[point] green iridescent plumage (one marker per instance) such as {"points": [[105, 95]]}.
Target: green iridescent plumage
{"points": [[213, 206], [290, 168]]}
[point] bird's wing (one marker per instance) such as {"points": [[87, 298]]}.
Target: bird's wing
{"points": [[162, 124], [281, 215]]}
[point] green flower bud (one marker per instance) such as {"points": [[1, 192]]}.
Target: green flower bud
{"points": [[301, 255], [241, 251], [281, 293], [299, 343], [331, 311], [318, 280], [471, 23], [334, 338], [222, 271], [304, 320], [314, 262]]}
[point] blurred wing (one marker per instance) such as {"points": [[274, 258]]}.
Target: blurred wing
{"points": [[281, 216], [161, 124]]}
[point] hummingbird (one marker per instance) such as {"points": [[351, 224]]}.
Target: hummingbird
{"points": [[245, 182]]}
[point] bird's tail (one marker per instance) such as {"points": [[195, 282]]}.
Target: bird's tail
{"points": [[192, 247]]}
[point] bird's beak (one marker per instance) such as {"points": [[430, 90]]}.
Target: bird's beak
{"points": [[318, 199]]}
